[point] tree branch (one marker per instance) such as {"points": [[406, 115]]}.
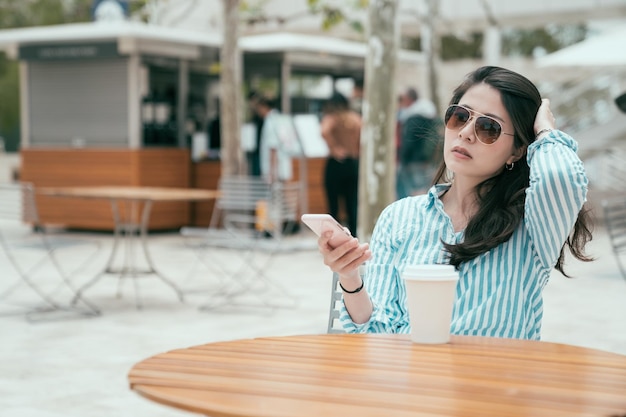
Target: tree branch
{"points": [[491, 18]]}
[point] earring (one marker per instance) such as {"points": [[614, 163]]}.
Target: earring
{"points": [[449, 176], [509, 167]]}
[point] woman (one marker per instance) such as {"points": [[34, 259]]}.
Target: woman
{"points": [[341, 129], [508, 198]]}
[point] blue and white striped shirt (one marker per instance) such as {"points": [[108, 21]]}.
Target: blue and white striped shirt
{"points": [[499, 292]]}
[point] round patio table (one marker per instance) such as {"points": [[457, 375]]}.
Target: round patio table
{"points": [[385, 375]]}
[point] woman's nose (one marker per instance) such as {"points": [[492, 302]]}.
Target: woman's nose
{"points": [[467, 131]]}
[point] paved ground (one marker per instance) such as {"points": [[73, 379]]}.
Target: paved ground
{"points": [[77, 367]]}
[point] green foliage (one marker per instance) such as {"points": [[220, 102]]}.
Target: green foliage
{"points": [[14, 13], [332, 17], [523, 43], [335, 15], [25, 13], [453, 47], [332, 12], [252, 7], [253, 12], [357, 26], [137, 9], [514, 42], [551, 39], [9, 103]]}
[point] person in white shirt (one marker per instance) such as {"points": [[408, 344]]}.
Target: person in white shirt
{"points": [[275, 162]]}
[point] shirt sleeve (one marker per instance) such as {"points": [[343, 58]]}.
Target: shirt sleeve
{"points": [[556, 194], [382, 283]]}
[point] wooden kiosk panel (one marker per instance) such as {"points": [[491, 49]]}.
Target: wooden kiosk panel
{"points": [[315, 184], [206, 175], [165, 167], [50, 167]]}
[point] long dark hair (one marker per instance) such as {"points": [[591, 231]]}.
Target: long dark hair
{"points": [[501, 198]]}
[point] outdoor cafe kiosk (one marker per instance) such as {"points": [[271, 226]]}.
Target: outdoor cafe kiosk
{"points": [[99, 106], [116, 103]]}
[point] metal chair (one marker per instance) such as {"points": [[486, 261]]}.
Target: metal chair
{"points": [[335, 301], [254, 216], [334, 326], [22, 234], [614, 211]]}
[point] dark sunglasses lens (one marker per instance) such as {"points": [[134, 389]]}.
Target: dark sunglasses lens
{"points": [[456, 117], [488, 130]]}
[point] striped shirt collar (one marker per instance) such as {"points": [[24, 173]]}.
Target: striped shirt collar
{"points": [[436, 191]]}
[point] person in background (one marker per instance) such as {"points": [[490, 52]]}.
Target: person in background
{"points": [[274, 162], [508, 200], [356, 101], [214, 131], [418, 132], [341, 129], [254, 156], [620, 102]]}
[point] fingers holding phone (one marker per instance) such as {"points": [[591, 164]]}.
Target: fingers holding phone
{"points": [[347, 257], [321, 223], [341, 251]]}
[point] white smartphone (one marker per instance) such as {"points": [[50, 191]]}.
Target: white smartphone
{"points": [[320, 223]]}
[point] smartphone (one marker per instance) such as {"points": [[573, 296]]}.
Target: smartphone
{"points": [[320, 223]]}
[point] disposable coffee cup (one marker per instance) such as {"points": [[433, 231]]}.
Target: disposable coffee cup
{"points": [[430, 293]]}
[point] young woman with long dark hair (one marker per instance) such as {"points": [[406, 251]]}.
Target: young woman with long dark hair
{"points": [[506, 202]]}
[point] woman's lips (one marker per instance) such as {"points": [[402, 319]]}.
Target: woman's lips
{"points": [[461, 152]]}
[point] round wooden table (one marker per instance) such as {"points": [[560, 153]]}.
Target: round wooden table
{"points": [[385, 375], [126, 226]]}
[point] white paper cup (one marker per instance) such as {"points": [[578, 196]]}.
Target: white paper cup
{"points": [[430, 293]]}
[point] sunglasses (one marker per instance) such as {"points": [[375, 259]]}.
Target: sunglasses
{"points": [[487, 129]]}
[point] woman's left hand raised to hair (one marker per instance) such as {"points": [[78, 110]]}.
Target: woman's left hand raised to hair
{"points": [[544, 121]]}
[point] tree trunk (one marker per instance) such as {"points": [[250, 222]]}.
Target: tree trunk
{"points": [[230, 92], [377, 170], [431, 42]]}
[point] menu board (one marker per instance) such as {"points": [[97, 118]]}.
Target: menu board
{"points": [[310, 135]]}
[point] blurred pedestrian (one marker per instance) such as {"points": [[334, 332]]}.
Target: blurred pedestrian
{"points": [[254, 155], [620, 101], [341, 129], [356, 101], [419, 132], [274, 158]]}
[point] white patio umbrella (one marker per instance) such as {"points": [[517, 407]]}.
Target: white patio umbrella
{"points": [[605, 49]]}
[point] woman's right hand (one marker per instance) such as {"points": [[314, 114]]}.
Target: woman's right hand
{"points": [[346, 258], [544, 120]]}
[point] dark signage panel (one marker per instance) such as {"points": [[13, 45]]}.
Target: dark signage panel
{"points": [[68, 51]]}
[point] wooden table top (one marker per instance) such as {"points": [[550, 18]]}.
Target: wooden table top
{"points": [[385, 375], [131, 193]]}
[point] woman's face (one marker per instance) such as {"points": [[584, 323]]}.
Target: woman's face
{"points": [[464, 154]]}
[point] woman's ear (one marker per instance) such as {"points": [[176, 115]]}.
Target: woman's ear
{"points": [[518, 153]]}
